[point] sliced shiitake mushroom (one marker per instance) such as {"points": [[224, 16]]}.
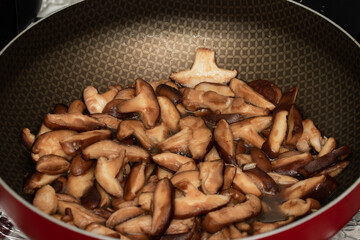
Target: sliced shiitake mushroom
{"points": [[170, 160], [229, 174], [109, 121], [221, 89], [45, 199], [171, 93], [310, 136], [287, 100], [169, 114], [244, 183], [295, 126], [78, 185], [136, 228], [77, 106], [101, 230], [37, 180], [269, 90], [158, 133], [264, 182], [135, 181], [262, 227], [80, 165], [224, 141], [96, 102], [298, 207], [192, 176], [261, 160], [290, 165], [204, 69], [27, 138], [123, 214], [91, 198], [211, 176], [52, 164], [72, 121], [177, 143], [136, 128]]}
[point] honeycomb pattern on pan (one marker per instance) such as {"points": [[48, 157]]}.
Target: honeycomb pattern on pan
{"points": [[100, 44]]}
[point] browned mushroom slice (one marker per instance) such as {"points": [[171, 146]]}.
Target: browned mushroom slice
{"points": [[106, 171], [211, 176], [213, 118], [77, 106], [244, 183], [201, 140], [80, 165], [289, 165], [282, 179], [269, 90], [335, 169], [37, 180], [236, 196], [295, 126], [95, 102], [248, 130], [238, 105], [101, 230], [180, 226], [261, 160], [221, 89], [169, 114], [105, 198], [52, 164], [329, 145], [82, 216], [310, 136], [67, 198], [193, 176], [27, 138], [299, 207], [109, 121], [49, 143], [136, 228], [76, 143], [195, 202], [170, 160], [163, 207], [277, 135], [136, 128], [158, 133], [171, 93], [177, 143], [223, 234], [60, 108], [212, 155], [188, 166], [224, 141], [204, 69], [144, 103], [315, 187], [118, 203], [320, 163], [91, 198], [261, 227], [126, 93], [241, 89], [72, 121], [216, 220], [229, 174], [135, 181], [264, 182], [78, 185], [122, 215], [235, 233], [45, 200], [146, 201], [59, 184], [111, 109], [286, 101], [109, 148]]}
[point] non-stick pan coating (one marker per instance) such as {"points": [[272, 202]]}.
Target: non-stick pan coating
{"points": [[114, 42]]}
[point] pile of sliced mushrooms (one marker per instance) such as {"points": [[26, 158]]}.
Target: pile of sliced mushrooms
{"points": [[201, 155]]}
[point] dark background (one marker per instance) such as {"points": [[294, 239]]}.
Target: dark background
{"points": [[16, 15]]}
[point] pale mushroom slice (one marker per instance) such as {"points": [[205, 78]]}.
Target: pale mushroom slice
{"points": [[138, 227], [212, 155], [37, 180], [27, 138], [82, 217], [236, 196], [335, 169], [249, 129], [211, 176], [106, 171], [52, 164], [78, 185], [177, 143], [101, 230], [195, 203], [221, 89], [158, 133], [188, 166], [229, 174], [136, 128], [111, 109], [311, 136], [135, 182], [73, 121], [109, 121], [49, 143], [76, 143], [96, 102], [238, 105], [329, 145], [241, 89], [45, 199], [262, 227], [77, 106], [299, 207], [204, 69], [224, 141], [144, 103], [244, 183], [192, 176], [126, 93], [235, 233], [146, 201], [123, 214], [290, 165], [163, 207], [180, 226], [169, 114], [170, 160], [216, 220], [295, 126], [171, 93], [264, 182], [110, 148], [267, 89], [277, 135], [282, 179]]}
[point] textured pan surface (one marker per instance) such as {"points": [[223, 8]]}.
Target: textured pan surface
{"points": [[114, 42]]}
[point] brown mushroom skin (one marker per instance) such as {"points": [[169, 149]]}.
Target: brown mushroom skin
{"points": [[261, 160], [224, 141], [135, 182], [171, 93], [72, 121], [269, 90], [80, 165], [295, 126], [52, 164], [91, 198], [265, 183]]}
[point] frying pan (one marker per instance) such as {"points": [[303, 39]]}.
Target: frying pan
{"points": [[104, 43]]}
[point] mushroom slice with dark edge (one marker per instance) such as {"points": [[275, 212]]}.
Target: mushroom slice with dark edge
{"points": [[110, 148], [77, 106], [290, 165], [177, 143], [188, 166], [27, 138], [170, 160], [158, 133], [295, 126], [52, 164], [49, 143], [299, 207], [244, 183], [169, 114], [310, 136], [135, 181], [212, 155], [229, 174], [320, 163], [73, 121], [224, 141], [249, 129], [136, 128], [335, 169], [144, 103], [110, 122], [216, 220], [136, 228], [171, 93], [180, 226], [82, 216], [80, 165], [282, 179], [76, 143], [96, 102], [111, 109], [45, 199], [221, 89], [261, 160], [126, 93], [211, 176], [269, 90], [236, 196], [37, 180], [264, 182], [78, 185], [262, 227], [195, 202], [163, 207], [213, 118], [272, 144], [106, 171], [329, 145], [241, 89], [91, 198], [192, 176], [122, 215], [204, 69], [286, 101], [101, 230]]}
